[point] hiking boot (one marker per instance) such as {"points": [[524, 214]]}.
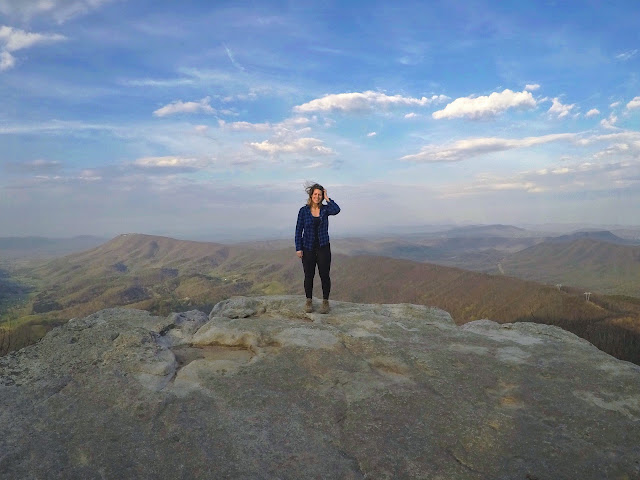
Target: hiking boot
{"points": [[325, 306], [308, 307]]}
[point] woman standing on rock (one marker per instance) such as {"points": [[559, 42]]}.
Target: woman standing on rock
{"points": [[312, 242]]}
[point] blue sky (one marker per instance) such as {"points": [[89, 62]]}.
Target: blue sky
{"points": [[204, 119]]}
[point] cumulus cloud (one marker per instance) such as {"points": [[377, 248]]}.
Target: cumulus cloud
{"points": [[179, 106], [609, 122], [371, 134], [410, 115], [559, 109], [532, 87], [300, 146], [59, 10], [465, 149], [364, 102], [635, 103], [486, 106], [592, 113], [14, 39], [615, 104]]}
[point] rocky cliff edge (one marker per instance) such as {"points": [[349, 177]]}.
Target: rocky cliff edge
{"points": [[260, 390]]}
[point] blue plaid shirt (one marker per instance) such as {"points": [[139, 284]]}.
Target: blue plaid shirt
{"points": [[305, 231]]}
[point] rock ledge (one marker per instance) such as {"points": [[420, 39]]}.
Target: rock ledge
{"points": [[259, 389]]}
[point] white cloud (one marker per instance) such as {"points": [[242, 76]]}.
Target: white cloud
{"points": [[59, 10], [625, 136], [315, 165], [410, 115], [592, 113], [171, 162], [201, 128], [14, 39], [7, 61], [286, 128], [89, 175], [614, 104], [635, 103], [179, 106], [245, 126], [300, 146], [233, 59], [465, 149], [371, 134], [580, 176], [34, 166], [616, 166], [531, 87], [609, 122], [364, 102], [559, 109], [624, 56], [486, 106]]}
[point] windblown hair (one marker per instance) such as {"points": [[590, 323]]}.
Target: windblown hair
{"points": [[310, 187]]}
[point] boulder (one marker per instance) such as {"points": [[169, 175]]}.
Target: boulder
{"points": [[259, 389]]}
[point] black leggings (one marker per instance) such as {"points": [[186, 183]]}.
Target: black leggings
{"points": [[322, 257]]}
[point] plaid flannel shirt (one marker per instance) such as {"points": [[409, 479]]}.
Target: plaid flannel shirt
{"points": [[305, 232]]}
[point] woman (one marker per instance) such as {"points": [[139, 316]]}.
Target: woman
{"points": [[312, 242]]}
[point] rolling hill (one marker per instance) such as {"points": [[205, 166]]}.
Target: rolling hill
{"points": [[597, 235], [585, 263], [161, 275]]}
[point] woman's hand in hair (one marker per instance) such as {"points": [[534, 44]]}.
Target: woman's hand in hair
{"points": [[326, 195]]}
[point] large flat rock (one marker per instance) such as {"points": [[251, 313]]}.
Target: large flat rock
{"points": [[259, 389]]}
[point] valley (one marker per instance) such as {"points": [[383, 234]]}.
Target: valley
{"points": [[162, 275]]}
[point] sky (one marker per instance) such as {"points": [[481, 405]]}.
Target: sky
{"points": [[202, 119]]}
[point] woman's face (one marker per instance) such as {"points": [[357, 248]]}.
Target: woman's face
{"points": [[316, 196]]}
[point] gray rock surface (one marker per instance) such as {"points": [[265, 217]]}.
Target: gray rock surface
{"points": [[261, 390]]}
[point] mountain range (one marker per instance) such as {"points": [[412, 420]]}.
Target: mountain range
{"points": [[161, 275]]}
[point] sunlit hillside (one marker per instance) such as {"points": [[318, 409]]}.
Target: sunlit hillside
{"points": [[586, 263]]}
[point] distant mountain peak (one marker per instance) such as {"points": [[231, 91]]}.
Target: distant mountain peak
{"points": [[598, 235]]}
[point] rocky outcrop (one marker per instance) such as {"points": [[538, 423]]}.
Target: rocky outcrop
{"points": [[261, 390]]}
